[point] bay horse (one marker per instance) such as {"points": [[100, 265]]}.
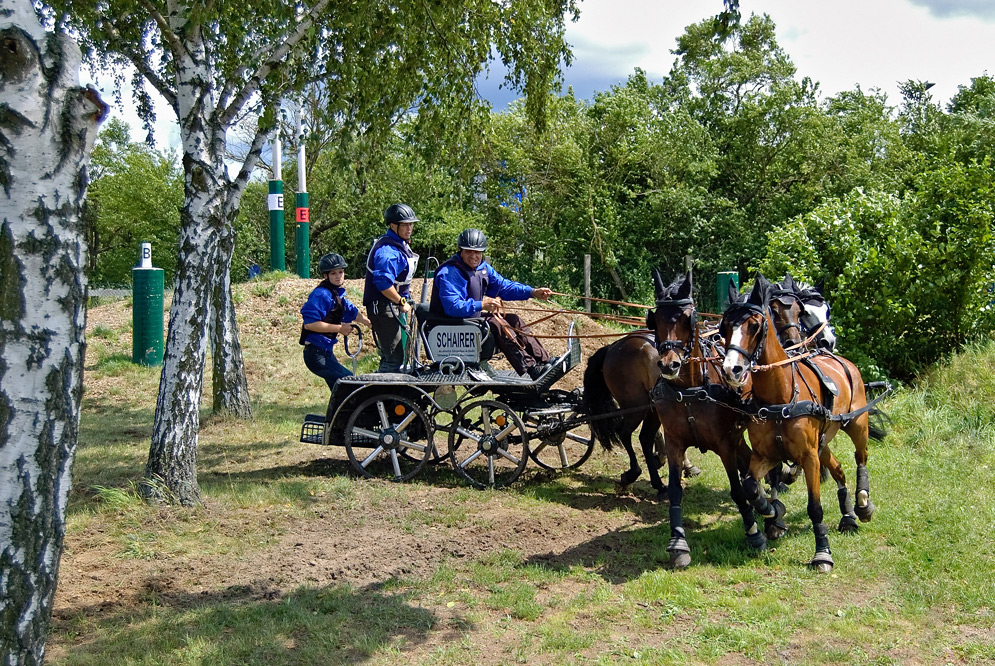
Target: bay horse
{"points": [[794, 423], [690, 415], [801, 310], [617, 384]]}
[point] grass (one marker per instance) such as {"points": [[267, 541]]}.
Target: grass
{"points": [[557, 569]]}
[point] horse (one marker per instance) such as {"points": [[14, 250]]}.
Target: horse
{"points": [[800, 309], [690, 415], [617, 383], [793, 423]]}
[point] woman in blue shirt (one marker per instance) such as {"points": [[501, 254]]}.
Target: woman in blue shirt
{"points": [[327, 312]]}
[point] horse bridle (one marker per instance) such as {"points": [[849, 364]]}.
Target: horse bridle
{"points": [[755, 355], [785, 294], [665, 346]]}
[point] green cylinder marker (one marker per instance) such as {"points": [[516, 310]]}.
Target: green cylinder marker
{"points": [[722, 287], [146, 310]]}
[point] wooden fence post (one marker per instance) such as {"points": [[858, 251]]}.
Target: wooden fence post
{"points": [[587, 282]]}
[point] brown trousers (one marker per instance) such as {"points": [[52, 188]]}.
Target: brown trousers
{"points": [[521, 349]]}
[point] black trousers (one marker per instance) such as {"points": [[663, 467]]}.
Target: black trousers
{"points": [[386, 325], [519, 346]]}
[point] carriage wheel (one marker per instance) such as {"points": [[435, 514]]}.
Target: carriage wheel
{"points": [[388, 437], [560, 451], [488, 444]]}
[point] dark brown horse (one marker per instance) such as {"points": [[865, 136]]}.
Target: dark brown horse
{"points": [[617, 384], [796, 420], [686, 405]]}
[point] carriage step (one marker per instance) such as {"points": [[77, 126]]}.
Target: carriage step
{"points": [[313, 429]]}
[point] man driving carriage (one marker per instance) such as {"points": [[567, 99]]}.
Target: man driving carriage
{"points": [[466, 286]]}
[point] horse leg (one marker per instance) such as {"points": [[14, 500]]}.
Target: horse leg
{"points": [[751, 486], [651, 439], [729, 461], [680, 551], [858, 432], [775, 527], [631, 474], [848, 521], [823, 560]]}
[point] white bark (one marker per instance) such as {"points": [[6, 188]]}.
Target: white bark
{"points": [[46, 133]]}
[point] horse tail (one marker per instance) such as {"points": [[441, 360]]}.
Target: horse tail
{"points": [[598, 401]]}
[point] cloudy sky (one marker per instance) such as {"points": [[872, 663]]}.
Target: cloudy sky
{"points": [[839, 43]]}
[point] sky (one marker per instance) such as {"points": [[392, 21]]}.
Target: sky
{"points": [[838, 43]]}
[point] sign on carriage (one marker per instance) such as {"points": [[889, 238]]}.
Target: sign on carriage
{"points": [[462, 342]]}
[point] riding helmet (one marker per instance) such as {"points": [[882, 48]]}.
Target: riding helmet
{"points": [[330, 262], [472, 239], [399, 214]]}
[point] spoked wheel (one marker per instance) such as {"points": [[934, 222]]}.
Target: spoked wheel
{"points": [[488, 444], [558, 449], [388, 437]]}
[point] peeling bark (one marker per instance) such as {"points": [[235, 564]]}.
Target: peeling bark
{"points": [[48, 124]]}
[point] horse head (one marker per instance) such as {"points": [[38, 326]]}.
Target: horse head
{"points": [[675, 322], [744, 330], [786, 310], [815, 314]]}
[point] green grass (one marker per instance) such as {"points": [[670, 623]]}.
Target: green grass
{"points": [[914, 586]]}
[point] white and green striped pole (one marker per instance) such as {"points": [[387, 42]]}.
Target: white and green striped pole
{"points": [[303, 216], [274, 201]]}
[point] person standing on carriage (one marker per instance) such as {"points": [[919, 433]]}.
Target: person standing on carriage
{"points": [[466, 286], [390, 267], [327, 312]]}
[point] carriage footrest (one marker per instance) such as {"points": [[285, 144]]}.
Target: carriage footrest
{"points": [[313, 429]]}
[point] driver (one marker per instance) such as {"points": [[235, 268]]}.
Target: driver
{"points": [[466, 286]]}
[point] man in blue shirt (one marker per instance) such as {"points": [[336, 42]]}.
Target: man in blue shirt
{"points": [[466, 286], [327, 312], [390, 267]]}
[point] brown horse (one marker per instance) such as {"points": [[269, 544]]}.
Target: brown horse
{"points": [[617, 384], [691, 416], [795, 423]]}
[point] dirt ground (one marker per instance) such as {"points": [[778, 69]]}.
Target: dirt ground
{"points": [[339, 542]]}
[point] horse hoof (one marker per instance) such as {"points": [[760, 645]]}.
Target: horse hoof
{"points": [[848, 525], [691, 471], [662, 495], [628, 477], [775, 529], [757, 541], [822, 562], [680, 560], [866, 512]]}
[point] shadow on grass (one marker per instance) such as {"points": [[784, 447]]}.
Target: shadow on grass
{"points": [[249, 624]]}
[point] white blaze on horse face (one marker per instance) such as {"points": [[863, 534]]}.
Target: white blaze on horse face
{"points": [[734, 358], [814, 317]]}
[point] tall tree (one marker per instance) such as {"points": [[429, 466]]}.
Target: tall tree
{"points": [[215, 62], [47, 127]]}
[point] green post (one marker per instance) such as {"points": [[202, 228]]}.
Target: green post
{"points": [[146, 310], [302, 237], [722, 287], [277, 249]]}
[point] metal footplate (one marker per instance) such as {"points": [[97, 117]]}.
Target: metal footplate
{"points": [[313, 429]]}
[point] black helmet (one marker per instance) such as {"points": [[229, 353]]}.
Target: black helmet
{"points": [[399, 213], [330, 262], [472, 239]]}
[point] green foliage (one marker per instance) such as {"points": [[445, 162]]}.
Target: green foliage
{"points": [[135, 197]]}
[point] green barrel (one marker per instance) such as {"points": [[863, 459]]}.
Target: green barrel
{"points": [[722, 287], [146, 314]]}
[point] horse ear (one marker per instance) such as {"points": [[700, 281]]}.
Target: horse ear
{"points": [[789, 282], [821, 286], [650, 320], [684, 288], [761, 291], [658, 281]]}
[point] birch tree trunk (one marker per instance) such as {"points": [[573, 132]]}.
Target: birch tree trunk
{"points": [[47, 129], [230, 386]]}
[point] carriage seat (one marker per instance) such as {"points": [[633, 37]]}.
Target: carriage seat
{"points": [[443, 337]]}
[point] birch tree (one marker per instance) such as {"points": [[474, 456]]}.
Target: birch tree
{"points": [[48, 124], [216, 62]]}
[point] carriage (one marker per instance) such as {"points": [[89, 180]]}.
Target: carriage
{"points": [[449, 404]]}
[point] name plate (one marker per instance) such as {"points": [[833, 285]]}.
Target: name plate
{"points": [[459, 341]]}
